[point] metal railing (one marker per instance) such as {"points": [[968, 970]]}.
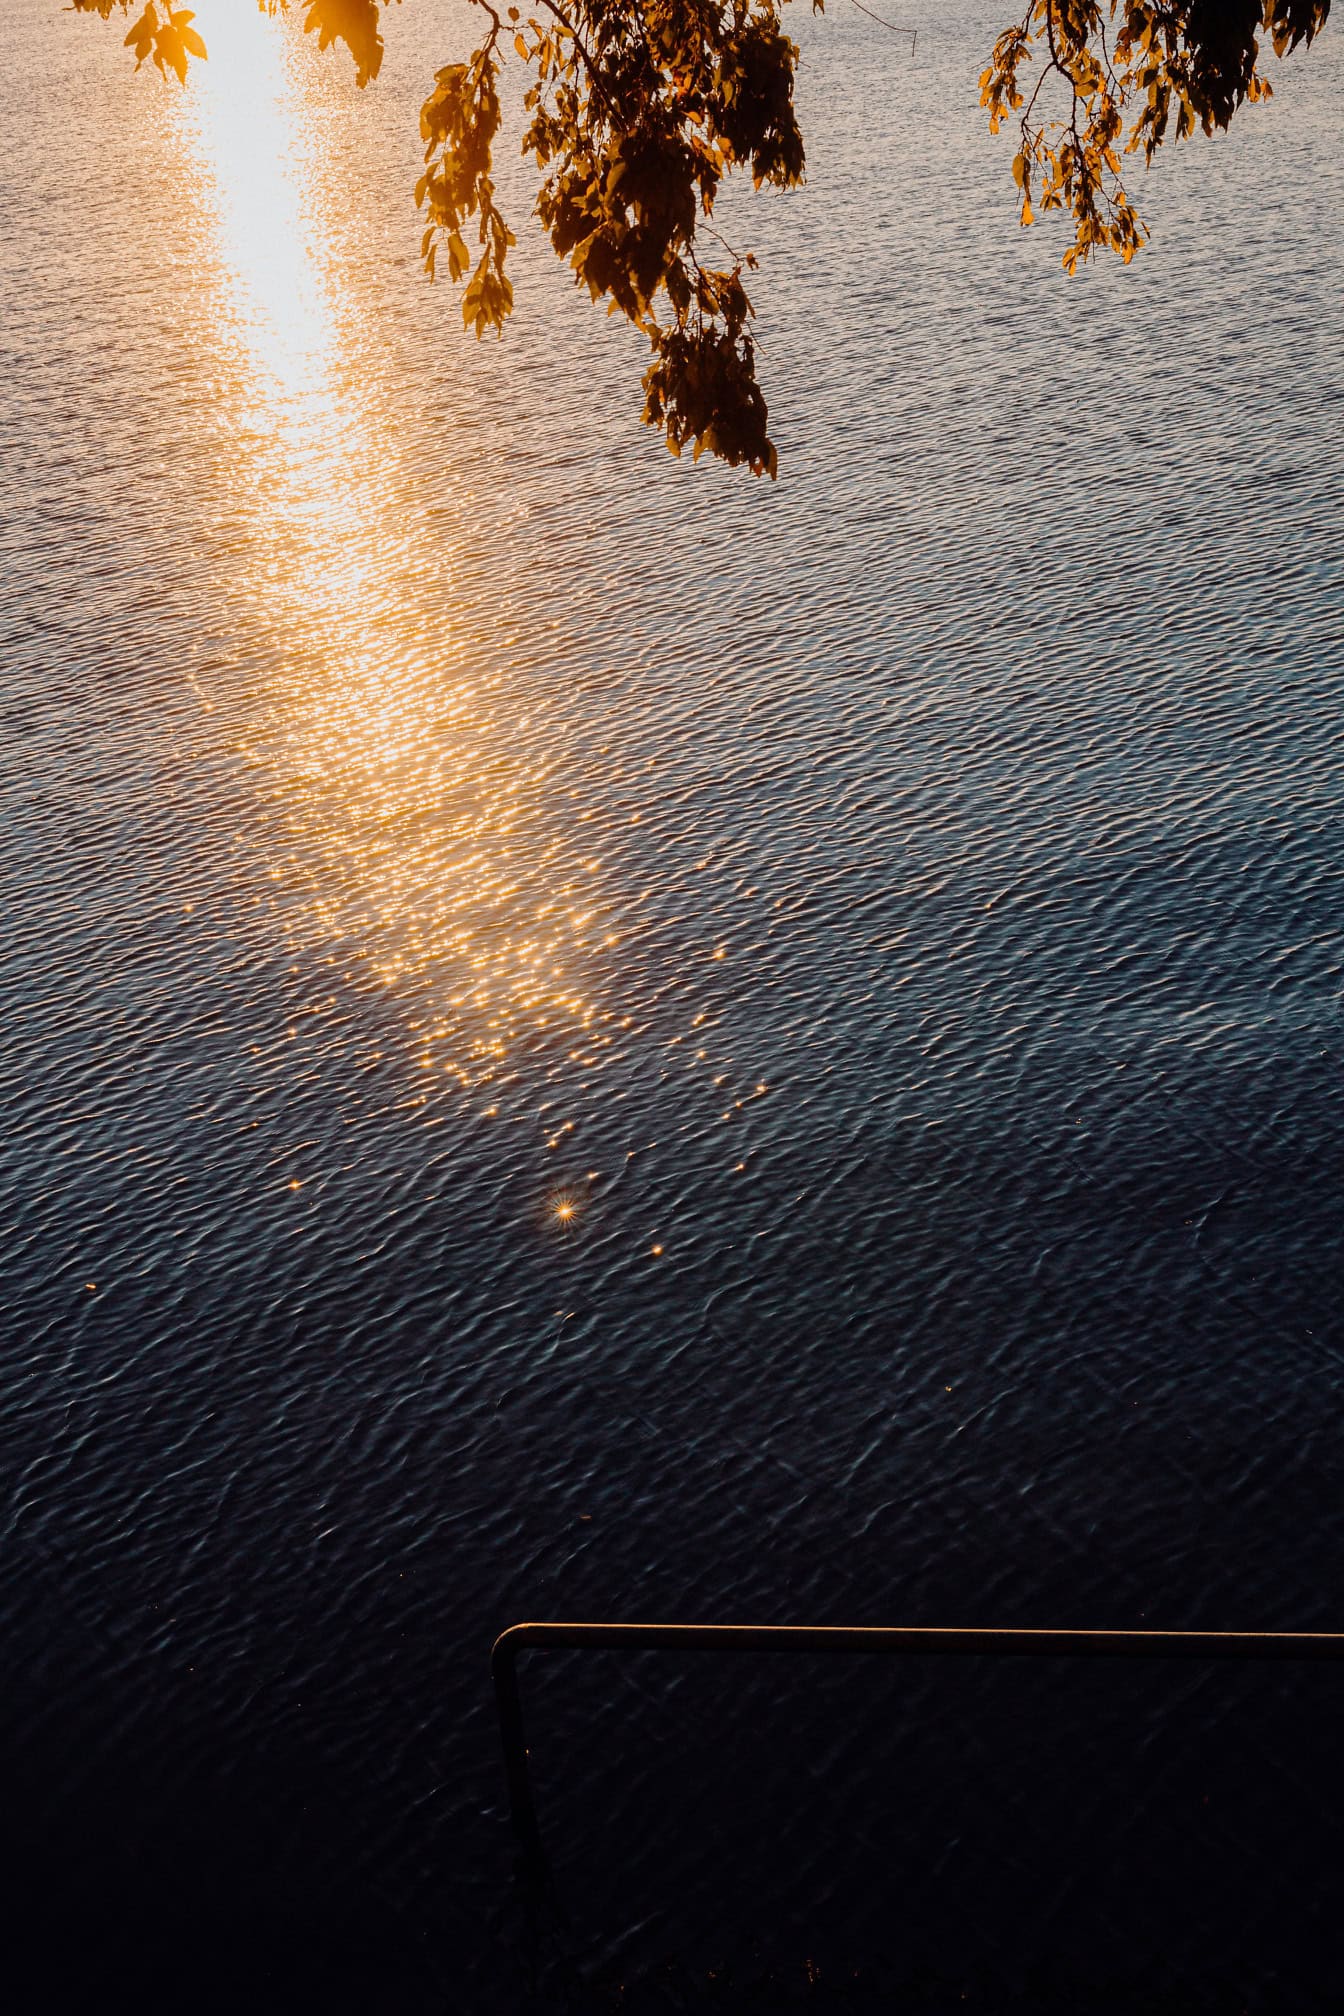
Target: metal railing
{"points": [[901, 1641]]}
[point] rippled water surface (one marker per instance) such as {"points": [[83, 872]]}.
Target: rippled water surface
{"points": [[587, 1037]]}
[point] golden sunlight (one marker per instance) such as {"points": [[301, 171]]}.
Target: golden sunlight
{"points": [[243, 102], [406, 807]]}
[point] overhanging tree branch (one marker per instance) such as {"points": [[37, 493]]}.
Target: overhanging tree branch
{"points": [[638, 109]]}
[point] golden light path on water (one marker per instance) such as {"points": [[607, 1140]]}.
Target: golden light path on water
{"points": [[414, 801]]}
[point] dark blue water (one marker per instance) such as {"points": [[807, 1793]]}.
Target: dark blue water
{"points": [[587, 1038]]}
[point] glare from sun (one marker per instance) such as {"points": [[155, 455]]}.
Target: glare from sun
{"points": [[409, 843], [242, 98]]}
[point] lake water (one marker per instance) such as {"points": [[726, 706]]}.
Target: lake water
{"points": [[897, 913]]}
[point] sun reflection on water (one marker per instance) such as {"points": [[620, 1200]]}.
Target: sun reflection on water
{"points": [[411, 799], [244, 102]]}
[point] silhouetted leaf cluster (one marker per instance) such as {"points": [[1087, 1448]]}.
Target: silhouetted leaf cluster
{"points": [[637, 110]]}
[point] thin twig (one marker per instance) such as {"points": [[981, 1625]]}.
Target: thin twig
{"points": [[890, 26]]}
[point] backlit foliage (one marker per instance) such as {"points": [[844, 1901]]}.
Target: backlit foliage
{"points": [[637, 109], [1131, 74]]}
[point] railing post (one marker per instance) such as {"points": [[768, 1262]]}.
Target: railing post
{"points": [[508, 1701]]}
